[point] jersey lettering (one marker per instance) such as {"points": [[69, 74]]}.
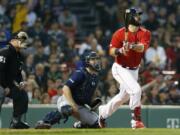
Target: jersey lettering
{"points": [[2, 59]]}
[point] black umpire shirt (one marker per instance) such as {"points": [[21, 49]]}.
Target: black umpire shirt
{"points": [[82, 85], [10, 66]]}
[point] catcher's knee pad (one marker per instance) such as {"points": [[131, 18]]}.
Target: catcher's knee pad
{"points": [[55, 116], [66, 111]]}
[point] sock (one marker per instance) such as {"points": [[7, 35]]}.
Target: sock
{"points": [[136, 114]]}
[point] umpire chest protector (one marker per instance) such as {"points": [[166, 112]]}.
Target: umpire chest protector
{"points": [[12, 66]]}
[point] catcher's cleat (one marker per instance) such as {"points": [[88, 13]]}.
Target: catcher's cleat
{"points": [[42, 125], [102, 122], [78, 124], [137, 124]]}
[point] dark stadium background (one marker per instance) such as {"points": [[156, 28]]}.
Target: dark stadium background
{"points": [[59, 42]]}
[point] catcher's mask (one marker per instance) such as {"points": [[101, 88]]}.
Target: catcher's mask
{"points": [[132, 16], [23, 38], [93, 61]]}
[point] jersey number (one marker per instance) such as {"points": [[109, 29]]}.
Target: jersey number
{"points": [[2, 59]]}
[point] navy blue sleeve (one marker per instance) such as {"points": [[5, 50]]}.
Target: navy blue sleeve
{"points": [[76, 79], [80, 64]]}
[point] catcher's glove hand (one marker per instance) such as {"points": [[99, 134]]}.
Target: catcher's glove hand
{"points": [[96, 103]]}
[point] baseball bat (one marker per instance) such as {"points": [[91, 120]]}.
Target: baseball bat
{"points": [[126, 21], [126, 25]]}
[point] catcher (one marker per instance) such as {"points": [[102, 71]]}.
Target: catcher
{"points": [[77, 97]]}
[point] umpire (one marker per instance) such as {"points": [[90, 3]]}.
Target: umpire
{"points": [[11, 81]]}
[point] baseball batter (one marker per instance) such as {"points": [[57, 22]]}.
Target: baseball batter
{"points": [[128, 52]]}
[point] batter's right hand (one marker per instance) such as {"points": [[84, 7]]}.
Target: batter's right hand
{"points": [[123, 51], [126, 45]]}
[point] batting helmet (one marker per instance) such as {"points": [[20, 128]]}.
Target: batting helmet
{"points": [[130, 16], [95, 65]]}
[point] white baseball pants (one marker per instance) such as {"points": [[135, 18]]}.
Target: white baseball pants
{"points": [[129, 89]]}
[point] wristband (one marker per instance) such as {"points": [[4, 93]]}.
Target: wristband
{"points": [[117, 52]]}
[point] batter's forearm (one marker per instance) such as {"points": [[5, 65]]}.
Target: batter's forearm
{"points": [[112, 51], [119, 51], [139, 47]]}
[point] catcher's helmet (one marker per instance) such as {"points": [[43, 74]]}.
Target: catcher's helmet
{"points": [[130, 16], [96, 65]]}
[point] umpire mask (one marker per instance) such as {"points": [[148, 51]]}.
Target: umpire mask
{"points": [[23, 39]]}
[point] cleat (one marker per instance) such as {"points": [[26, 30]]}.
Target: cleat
{"points": [[137, 124], [102, 122], [78, 124], [42, 125], [19, 125]]}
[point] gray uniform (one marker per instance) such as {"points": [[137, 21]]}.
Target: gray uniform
{"points": [[86, 115]]}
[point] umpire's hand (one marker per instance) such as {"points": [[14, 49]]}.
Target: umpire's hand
{"points": [[21, 85]]}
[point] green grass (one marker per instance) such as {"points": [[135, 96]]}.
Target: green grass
{"points": [[107, 131]]}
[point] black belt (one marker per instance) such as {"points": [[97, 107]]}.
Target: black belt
{"points": [[130, 68]]}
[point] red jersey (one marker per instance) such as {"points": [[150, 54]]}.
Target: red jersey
{"points": [[133, 58]]}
